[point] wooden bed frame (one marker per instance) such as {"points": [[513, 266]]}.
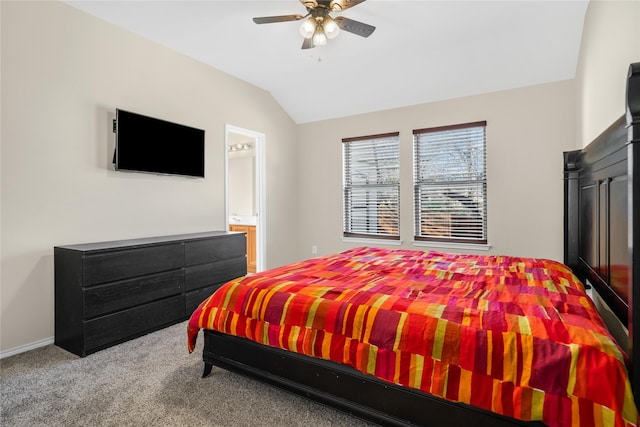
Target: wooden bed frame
{"points": [[602, 197]]}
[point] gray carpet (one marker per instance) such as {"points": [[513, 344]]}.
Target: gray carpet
{"points": [[150, 381]]}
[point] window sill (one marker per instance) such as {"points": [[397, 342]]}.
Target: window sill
{"points": [[446, 245], [387, 242]]}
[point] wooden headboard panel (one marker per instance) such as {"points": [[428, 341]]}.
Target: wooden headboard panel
{"points": [[597, 180], [602, 201]]}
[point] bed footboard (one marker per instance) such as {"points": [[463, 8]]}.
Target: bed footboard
{"points": [[207, 369], [342, 387]]}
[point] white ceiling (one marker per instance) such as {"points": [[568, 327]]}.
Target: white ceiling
{"points": [[421, 51]]}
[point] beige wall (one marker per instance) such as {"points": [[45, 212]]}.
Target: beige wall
{"points": [[527, 131], [610, 42], [63, 74], [241, 182]]}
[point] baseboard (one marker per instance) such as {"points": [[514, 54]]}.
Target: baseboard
{"points": [[26, 347]]}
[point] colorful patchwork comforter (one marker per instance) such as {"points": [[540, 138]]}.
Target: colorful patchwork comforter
{"points": [[516, 336]]}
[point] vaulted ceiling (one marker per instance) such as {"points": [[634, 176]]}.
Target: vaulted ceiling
{"points": [[421, 51]]}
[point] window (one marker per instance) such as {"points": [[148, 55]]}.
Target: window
{"points": [[372, 186], [450, 184]]}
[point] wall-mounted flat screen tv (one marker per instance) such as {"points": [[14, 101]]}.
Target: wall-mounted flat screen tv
{"points": [[145, 144]]}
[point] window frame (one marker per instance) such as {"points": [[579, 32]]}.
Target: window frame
{"points": [[347, 190], [419, 184]]}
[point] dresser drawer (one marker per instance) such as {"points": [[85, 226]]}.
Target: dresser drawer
{"points": [[122, 264], [117, 327], [213, 273], [194, 298], [103, 299], [215, 249]]}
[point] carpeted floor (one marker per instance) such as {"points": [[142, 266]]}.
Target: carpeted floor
{"points": [[150, 381]]}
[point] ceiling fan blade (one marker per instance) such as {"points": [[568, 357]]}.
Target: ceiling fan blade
{"points": [[280, 18], [355, 27], [308, 43], [345, 4]]}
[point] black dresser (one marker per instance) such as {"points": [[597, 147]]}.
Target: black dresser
{"points": [[110, 292]]}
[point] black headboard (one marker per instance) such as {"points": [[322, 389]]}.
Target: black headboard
{"points": [[602, 201]]}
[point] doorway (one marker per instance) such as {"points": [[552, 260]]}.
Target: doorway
{"points": [[245, 191]]}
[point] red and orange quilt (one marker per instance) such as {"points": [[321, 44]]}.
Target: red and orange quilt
{"points": [[516, 336]]}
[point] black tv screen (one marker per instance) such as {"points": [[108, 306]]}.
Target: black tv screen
{"points": [[145, 144]]}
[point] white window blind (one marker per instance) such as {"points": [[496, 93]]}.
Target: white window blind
{"points": [[450, 185], [372, 186]]}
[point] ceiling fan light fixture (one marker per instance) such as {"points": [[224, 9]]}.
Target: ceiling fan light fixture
{"points": [[331, 29], [319, 37], [317, 26], [308, 28]]}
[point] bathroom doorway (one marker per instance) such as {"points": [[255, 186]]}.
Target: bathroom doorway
{"points": [[245, 201]]}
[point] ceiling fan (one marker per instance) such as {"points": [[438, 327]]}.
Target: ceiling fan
{"points": [[318, 25]]}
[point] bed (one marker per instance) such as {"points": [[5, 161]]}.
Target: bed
{"points": [[436, 339]]}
